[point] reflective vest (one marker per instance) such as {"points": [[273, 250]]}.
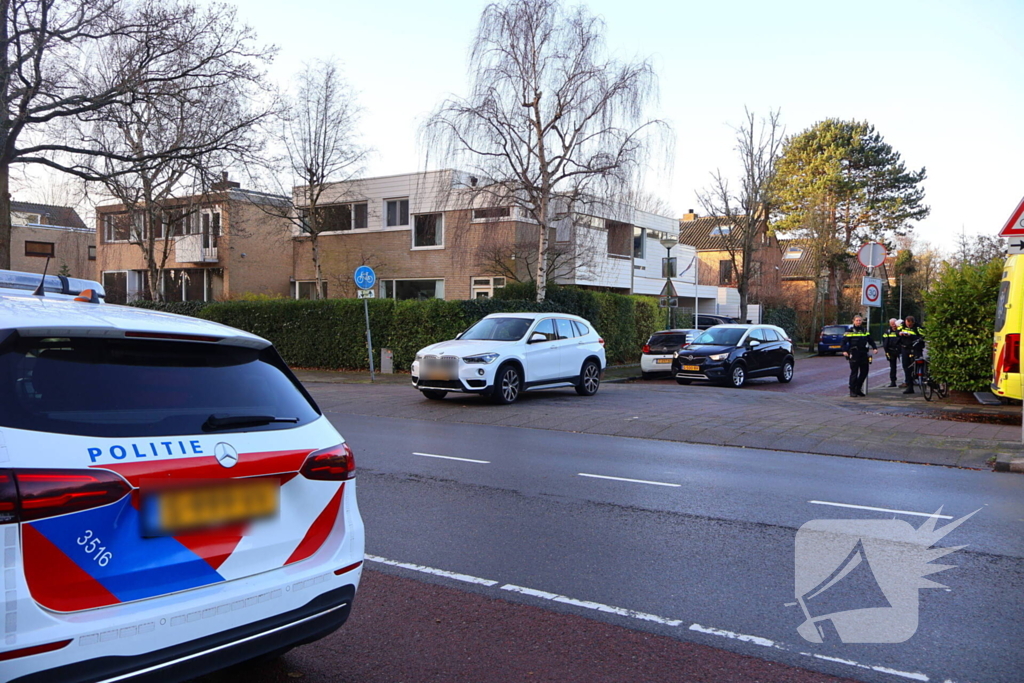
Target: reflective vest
{"points": [[856, 342]]}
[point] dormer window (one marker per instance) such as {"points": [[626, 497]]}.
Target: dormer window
{"points": [[793, 253], [721, 230]]}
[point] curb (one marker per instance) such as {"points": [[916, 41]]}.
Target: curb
{"points": [[1009, 462]]}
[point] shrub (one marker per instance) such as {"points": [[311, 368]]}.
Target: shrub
{"points": [[192, 308], [961, 320], [784, 317]]}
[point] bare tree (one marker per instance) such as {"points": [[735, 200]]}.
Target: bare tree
{"points": [[156, 153], [551, 126], [744, 212]]}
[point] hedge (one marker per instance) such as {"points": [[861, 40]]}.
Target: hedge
{"points": [[961, 321], [330, 333]]}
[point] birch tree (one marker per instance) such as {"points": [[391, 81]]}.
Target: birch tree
{"points": [[551, 125]]}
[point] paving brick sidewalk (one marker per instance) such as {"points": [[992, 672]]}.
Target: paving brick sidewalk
{"points": [[694, 414]]}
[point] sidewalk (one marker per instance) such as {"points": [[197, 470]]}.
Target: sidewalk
{"points": [[865, 428]]}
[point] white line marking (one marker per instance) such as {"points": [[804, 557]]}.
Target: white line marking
{"points": [[621, 611], [632, 481], [430, 570], [633, 614], [865, 507], [756, 640], [451, 457]]}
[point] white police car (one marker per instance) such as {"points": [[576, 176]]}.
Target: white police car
{"points": [[172, 501], [504, 354]]}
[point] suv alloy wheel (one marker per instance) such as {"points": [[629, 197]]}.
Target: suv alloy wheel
{"points": [[507, 384], [590, 379], [737, 376]]}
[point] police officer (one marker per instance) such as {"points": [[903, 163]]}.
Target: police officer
{"points": [[855, 349], [891, 346], [911, 342]]}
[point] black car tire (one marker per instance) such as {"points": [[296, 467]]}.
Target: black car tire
{"points": [[737, 376], [508, 383], [590, 379], [434, 394], [786, 373], [684, 382]]}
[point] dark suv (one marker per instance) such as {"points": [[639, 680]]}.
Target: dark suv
{"points": [[732, 354], [706, 320]]}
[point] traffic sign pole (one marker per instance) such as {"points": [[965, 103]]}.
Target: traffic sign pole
{"points": [[365, 279]]}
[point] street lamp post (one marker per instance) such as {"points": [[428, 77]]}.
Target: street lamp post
{"points": [[669, 241]]}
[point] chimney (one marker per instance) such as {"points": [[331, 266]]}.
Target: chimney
{"points": [[223, 185], [689, 215]]}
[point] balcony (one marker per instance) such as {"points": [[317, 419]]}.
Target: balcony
{"points": [[196, 248]]}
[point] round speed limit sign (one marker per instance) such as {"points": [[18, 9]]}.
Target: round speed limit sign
{"points": [[871, 293]]}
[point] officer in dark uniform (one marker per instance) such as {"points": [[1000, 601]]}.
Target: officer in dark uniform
{"points": [[891, 346], [855, 349], [911, 339]]}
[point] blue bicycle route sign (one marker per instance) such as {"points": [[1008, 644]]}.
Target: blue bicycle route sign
{"points": [[365, 277]]}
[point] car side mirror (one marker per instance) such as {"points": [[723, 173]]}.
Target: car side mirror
{"points": [[537, 337], [459, 335], [752, 343]]}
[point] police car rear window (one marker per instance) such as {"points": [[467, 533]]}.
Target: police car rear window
{"points": [[122, 388]]}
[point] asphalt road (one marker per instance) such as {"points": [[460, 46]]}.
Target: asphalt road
{"points": [[818, 375], [699, 549]]}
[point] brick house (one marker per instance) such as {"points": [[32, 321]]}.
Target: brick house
{"points": [[42, 230], [225, 243], [426, 238], [711, 236]]}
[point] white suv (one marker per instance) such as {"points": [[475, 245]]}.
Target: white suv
{"points": [[505, 354], [172, 501]]}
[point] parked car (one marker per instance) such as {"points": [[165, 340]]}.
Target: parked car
{"points": [[657, 353], [830, 339], [505, 354], [706, 320], [173, 501], [732, 354]]}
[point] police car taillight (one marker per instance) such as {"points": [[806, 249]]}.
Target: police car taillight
{"points": [[26, 495], [337, 463]]}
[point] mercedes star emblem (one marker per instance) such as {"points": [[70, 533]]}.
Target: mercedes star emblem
{"points": [[226, 454]]}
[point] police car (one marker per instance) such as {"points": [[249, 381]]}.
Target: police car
{"points": [[172, 501]]}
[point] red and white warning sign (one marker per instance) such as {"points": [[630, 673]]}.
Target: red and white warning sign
{"points": [[871, 292], [1015, 226]]}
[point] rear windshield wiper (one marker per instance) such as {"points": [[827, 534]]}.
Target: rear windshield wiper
{"points": [[215, 422]]}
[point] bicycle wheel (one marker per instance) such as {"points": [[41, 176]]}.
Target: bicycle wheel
{"points": [[927, 388], [943, 390]]}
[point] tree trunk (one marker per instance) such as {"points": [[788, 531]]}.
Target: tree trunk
{"points": [[542, 252], [5, 217], [314, 242]]}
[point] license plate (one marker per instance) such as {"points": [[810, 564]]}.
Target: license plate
{"points": [[437, 375], [834, 347], [173, 511], [691, 368], [663, 360]]}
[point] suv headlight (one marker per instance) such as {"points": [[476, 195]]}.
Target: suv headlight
{"points": [[481, 358], [675, 354], [718, 356]]}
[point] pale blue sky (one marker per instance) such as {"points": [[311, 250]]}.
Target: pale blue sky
{"points": [[943, 81]]}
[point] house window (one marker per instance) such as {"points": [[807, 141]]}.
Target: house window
{"points": [[619, 239], [343, 217], [305, 289], [396, 213], [115, 227], [412, 289], [793, 253], [639, 243], [38, 248], [92, 252], [492, 214], [721, 231], [428, 231], [483, 287], [725, 272]]}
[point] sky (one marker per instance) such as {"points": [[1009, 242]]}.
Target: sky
{"points": [[941, 80]]}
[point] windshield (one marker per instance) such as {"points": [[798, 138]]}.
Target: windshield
{"points": [[721, 336], [127, 388], [498, 329]]}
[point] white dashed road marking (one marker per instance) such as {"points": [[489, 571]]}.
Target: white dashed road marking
{"points": [[632, 481], [865, 507], [452, 457]]}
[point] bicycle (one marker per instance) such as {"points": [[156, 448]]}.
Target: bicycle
{"points": [[929, 386]]}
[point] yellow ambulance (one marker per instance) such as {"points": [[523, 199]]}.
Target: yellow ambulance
{"points": [[1006, 375]]}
